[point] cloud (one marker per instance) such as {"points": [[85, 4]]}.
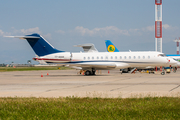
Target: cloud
{"points": [[169, 27], [16, 32], [60, 31], [166, 26], [150, 28], [30, 30], [135, 32], [105, 31], [1, 32], [112, 31], [34, 30], [47, 36]]}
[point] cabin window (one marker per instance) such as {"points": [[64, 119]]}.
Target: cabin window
{"points": [[115, 57], [139, 57], [120, 57], [101, 57], [88, 58], [97, 57], [129, 57], [148, 57], [92, 58], [134, 57], [84, 58], [106, 57], [143, 57], [124, 57], [111, 57]]}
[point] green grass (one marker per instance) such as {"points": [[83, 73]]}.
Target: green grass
{"points": [[89, 108], [5, 69]]}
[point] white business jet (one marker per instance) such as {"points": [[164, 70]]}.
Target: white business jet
{"points": [[92, 61]]}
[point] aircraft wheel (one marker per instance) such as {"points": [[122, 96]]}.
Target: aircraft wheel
{"points": [[88, 72], [174, 70], [163, 73]]}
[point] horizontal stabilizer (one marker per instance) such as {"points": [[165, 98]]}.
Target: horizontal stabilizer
{"points": [[23, 37]]}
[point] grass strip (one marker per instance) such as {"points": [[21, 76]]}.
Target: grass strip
{"points": [[90, 108]]}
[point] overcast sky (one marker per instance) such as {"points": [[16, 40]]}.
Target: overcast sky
{"points": [[129, 24]]}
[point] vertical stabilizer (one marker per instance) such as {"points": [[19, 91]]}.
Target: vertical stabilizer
{"points": [[110, 46]]}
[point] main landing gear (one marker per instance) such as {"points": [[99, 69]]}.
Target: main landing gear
{"points": [[163, 71], [90, 72], [174, 69]]}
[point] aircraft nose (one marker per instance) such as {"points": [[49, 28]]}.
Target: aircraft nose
{"points": [[178, 64], [173, 62]]}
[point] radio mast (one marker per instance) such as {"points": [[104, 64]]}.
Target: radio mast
{"points": [[158, 25]]}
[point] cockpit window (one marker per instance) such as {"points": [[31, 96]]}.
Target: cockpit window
{"points": [[176, 59], [162, 55]]}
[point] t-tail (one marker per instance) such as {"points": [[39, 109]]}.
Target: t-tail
{"points": [[110, 46], [40, 46]]}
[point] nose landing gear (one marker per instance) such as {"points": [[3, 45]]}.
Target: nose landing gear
{"points": [[163, 71]]}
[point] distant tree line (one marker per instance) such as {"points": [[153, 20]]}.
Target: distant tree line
{"points": [[16, 65], [3, 65]]}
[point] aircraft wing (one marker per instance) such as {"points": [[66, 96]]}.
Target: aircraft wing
{"points": [[93, 64], [89, 47], [174, 56], [99, 65]]}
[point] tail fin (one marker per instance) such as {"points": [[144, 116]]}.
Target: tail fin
{"points": [[110, 46], [40, 46]]}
